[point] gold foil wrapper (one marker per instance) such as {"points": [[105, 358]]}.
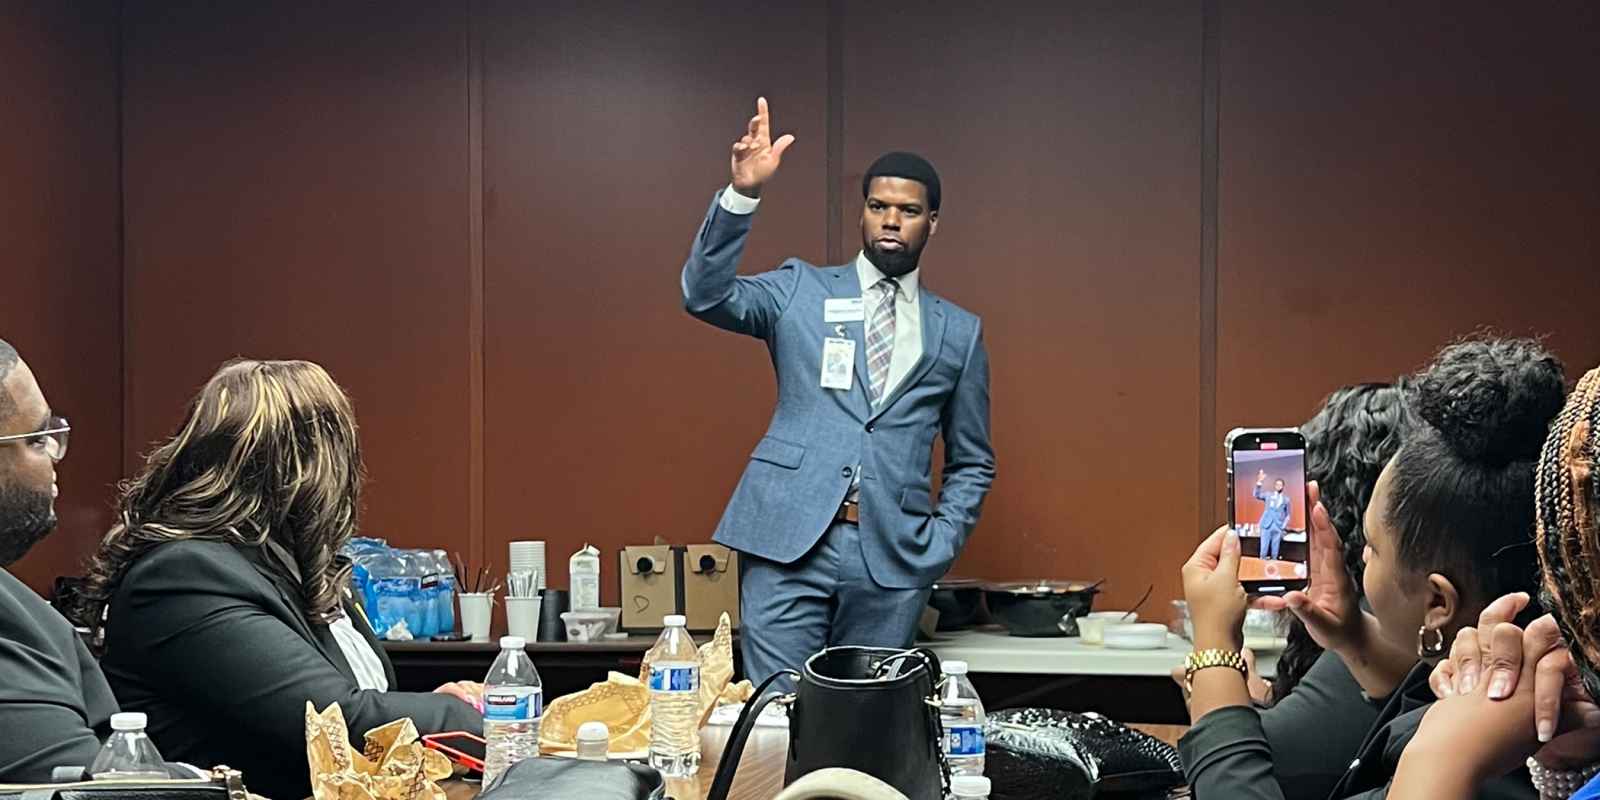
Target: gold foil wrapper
{"points": [[623, 702], [393, 765]]}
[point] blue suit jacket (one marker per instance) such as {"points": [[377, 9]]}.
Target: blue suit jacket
{"points": [[1273, 518], [800, 471]]}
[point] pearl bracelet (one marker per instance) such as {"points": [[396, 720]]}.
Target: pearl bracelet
{"points": [[1559, 784]]}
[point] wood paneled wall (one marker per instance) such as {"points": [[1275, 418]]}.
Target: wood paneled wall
{"points": [[1175, 218]]}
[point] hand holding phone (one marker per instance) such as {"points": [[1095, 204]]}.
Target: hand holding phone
{"points": [[1217, 601], [1329, 606]]}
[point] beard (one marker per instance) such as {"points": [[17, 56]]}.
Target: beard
{"points": [[26, 517], [892, 263]]}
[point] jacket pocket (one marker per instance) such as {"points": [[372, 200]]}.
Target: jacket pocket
{"points": [[916, 501], [779, 452]]}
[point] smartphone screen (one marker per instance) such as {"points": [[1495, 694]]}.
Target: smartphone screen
{"points": [[1267, 507]]}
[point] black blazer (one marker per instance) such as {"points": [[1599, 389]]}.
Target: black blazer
{"points": [[212, 644], [54, 704], [1226, 755]]}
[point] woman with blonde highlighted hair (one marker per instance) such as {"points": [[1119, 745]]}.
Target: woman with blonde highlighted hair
{"points": [[219, 595]]}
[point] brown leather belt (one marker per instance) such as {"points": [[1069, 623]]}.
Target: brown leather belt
{"points": [[849, 511]]}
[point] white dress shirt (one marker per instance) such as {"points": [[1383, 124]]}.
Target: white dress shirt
{"points": [[907, 302], [358, 651]]}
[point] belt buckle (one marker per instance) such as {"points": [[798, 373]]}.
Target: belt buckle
{"points": [[849, 511]]}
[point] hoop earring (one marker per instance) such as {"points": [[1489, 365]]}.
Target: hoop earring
{"points": [[1430, 642]]}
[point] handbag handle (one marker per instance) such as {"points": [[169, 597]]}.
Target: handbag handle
{"points": [[734, 749], [930, 662]]}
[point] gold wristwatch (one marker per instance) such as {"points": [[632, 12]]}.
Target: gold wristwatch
{"points": [[1205, 659]]}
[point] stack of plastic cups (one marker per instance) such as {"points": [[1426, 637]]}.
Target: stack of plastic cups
{"points": [[528, 555]]}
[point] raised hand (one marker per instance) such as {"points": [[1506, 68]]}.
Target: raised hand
{"points": [[756, 156]]}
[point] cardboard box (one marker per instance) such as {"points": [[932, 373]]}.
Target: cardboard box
{"points": [[710, 585], [699, 581], [650, 580]]}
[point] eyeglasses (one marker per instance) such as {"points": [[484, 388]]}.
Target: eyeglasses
{"points": [[51, 440]]}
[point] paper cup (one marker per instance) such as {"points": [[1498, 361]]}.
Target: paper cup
{"points": [[475, 611], [522, 617]]}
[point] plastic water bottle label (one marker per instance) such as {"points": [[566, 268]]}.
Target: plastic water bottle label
{"points": [[513, 704], [963, 740], [674, 679]]}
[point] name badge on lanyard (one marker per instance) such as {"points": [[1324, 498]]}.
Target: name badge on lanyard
{"points": [[838, 363]]}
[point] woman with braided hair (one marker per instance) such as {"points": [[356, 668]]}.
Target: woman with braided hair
{"points": [[1488, 721], [1449, 529]]}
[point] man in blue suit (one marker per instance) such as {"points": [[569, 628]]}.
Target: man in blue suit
{"points": [[1274, 517], [834, 516]]}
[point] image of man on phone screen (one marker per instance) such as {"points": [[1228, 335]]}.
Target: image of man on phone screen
{"points": [[1274, 516]]}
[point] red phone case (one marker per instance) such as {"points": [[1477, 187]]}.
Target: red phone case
{"points": [[440, 742]]}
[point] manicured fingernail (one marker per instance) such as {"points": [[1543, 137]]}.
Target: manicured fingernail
{"points": [[1547, 730], [1469, 679], [1447, 690], [1500, 687]]}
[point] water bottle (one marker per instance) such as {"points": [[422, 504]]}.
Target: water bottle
{"points": [[513, 704], [446, 598], [362, 551], [421, 599], [428, 578], [961, 713], [128, 754], [594, 741], [674, 700], [391, 593], [969, 787]]}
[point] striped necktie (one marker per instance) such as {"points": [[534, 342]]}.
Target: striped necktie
{"points": [[880, 338]]}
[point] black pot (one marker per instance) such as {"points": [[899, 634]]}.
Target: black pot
{"points": [[1041, 608], [959, 602]]}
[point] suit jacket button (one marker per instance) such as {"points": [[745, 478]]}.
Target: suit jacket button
{"points": [[846, 472], [871, 427]]}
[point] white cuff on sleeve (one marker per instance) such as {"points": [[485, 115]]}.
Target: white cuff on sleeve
{"points": [[735, 203]]}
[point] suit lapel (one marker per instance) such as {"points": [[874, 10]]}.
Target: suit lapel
{"points": [[933, 320], [845, 283]]}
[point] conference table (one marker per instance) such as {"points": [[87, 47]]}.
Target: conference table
{"points": [[1125, 685], [760, 773]]}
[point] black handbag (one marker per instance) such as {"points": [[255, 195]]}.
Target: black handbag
{"points": [[870, 709], [224, 784], [571, 779], [1044, 752]]}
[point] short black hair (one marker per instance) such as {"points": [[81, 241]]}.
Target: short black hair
{"points": [[904, 165], [1463, 495], [9, 358]]}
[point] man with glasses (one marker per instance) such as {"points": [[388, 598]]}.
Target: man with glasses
{"points": [[54, 703]]}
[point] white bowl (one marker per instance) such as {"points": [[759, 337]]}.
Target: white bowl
{"points": [[1136, 636], [590, 626], [1091, 627]]}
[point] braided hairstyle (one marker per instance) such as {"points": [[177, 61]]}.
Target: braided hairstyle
{"points": [[1355, 432], [1568, 532]]}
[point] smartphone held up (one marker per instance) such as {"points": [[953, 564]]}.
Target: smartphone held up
{"points": [[1268, 508]]}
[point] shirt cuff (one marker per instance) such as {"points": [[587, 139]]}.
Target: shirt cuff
{"points": [[735, 203]]}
